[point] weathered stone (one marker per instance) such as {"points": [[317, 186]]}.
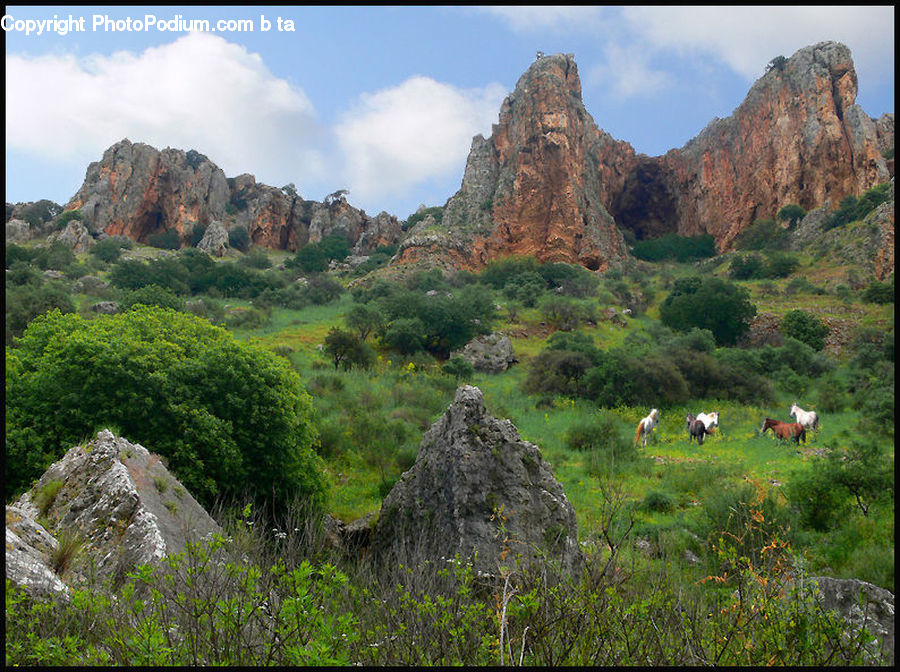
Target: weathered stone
{"points": [[106, 307], [861, 603], [90, 284], [477, 490], [492, 353], [215, 240], [75, 235], [536, 186], [18, 230], [121, 502]]}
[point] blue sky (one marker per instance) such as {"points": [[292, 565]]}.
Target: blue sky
{"points": [[383, 101]]}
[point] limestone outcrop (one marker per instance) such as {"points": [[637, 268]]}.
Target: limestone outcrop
{"points": [[491, 353], [478, 490], [861, 604], [798, 137], [138, 191], [112, 500], [538, 186], [549, 183]]}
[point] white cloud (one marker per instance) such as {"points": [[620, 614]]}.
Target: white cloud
{"points": [[560, 18], [625, 73], [199, 91], [746, 38], [418, 130]]}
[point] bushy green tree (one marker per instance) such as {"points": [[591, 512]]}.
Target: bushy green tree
{"points": [[746, 267], [166, 240], [27, 301], [228, 417], [110, 249], [347, 349], [791, 213], [239, 239], [711, 303], [805, 327]]}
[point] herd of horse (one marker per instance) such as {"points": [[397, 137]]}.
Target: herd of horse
{"points": [[705, 423]]}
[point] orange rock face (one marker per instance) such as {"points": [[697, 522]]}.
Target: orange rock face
{"points": [[138, 191], [549, 183], [534, 187], [798, 137]]}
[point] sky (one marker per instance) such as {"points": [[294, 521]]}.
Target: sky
{"points": [[381, 100]]}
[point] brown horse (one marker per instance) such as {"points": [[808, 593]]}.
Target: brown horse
{"points": [[785, 430], [696, 429]]}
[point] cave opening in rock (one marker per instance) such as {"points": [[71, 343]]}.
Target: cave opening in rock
{"points": [[645, 205]]}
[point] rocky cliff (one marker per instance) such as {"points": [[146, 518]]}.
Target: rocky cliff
{"points": [[538, 186], [549, 183], [798, 137], [137, 191]]}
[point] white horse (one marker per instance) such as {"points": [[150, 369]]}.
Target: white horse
{"points": [[809, 419], [709, 420], [646, 426]]}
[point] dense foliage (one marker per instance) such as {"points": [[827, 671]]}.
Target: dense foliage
{"points": [[228, 417], [673, 247], [708, 303]]}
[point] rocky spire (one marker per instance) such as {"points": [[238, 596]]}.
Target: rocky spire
{"points": [[538, 186]]}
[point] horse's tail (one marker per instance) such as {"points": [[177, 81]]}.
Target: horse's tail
{"points": [[640, 429], [815, 422]]}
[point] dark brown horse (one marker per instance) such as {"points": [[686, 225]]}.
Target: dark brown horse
{"points": [[785, 430], [696, 429]]}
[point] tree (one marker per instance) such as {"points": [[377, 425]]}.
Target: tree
{"points": [[791, 213], [805, 327], [239, 238], [711, 303], [346, 349], [364, 319], [231, 419]]}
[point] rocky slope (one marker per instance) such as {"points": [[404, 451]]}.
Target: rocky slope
{"points": [[137, 191]]}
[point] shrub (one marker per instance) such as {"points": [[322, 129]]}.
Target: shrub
{"points": [[64, 218], [675, 247], [780, 265], [151, 295], [763, 234], [56, 256], [879, 292], [228, 416], [805, 327], [110, 249], [26, 302], [661, 502], [239, 239], [459, 368], [791, 213], [746, 267], [710, 303], [166, 240]]}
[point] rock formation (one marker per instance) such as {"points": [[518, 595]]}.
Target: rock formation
{"points": [[861, 604], [138, 191], [492, 353], [538, 186], [549, 183], [798, 137], [479, 490], [116, 499]]}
